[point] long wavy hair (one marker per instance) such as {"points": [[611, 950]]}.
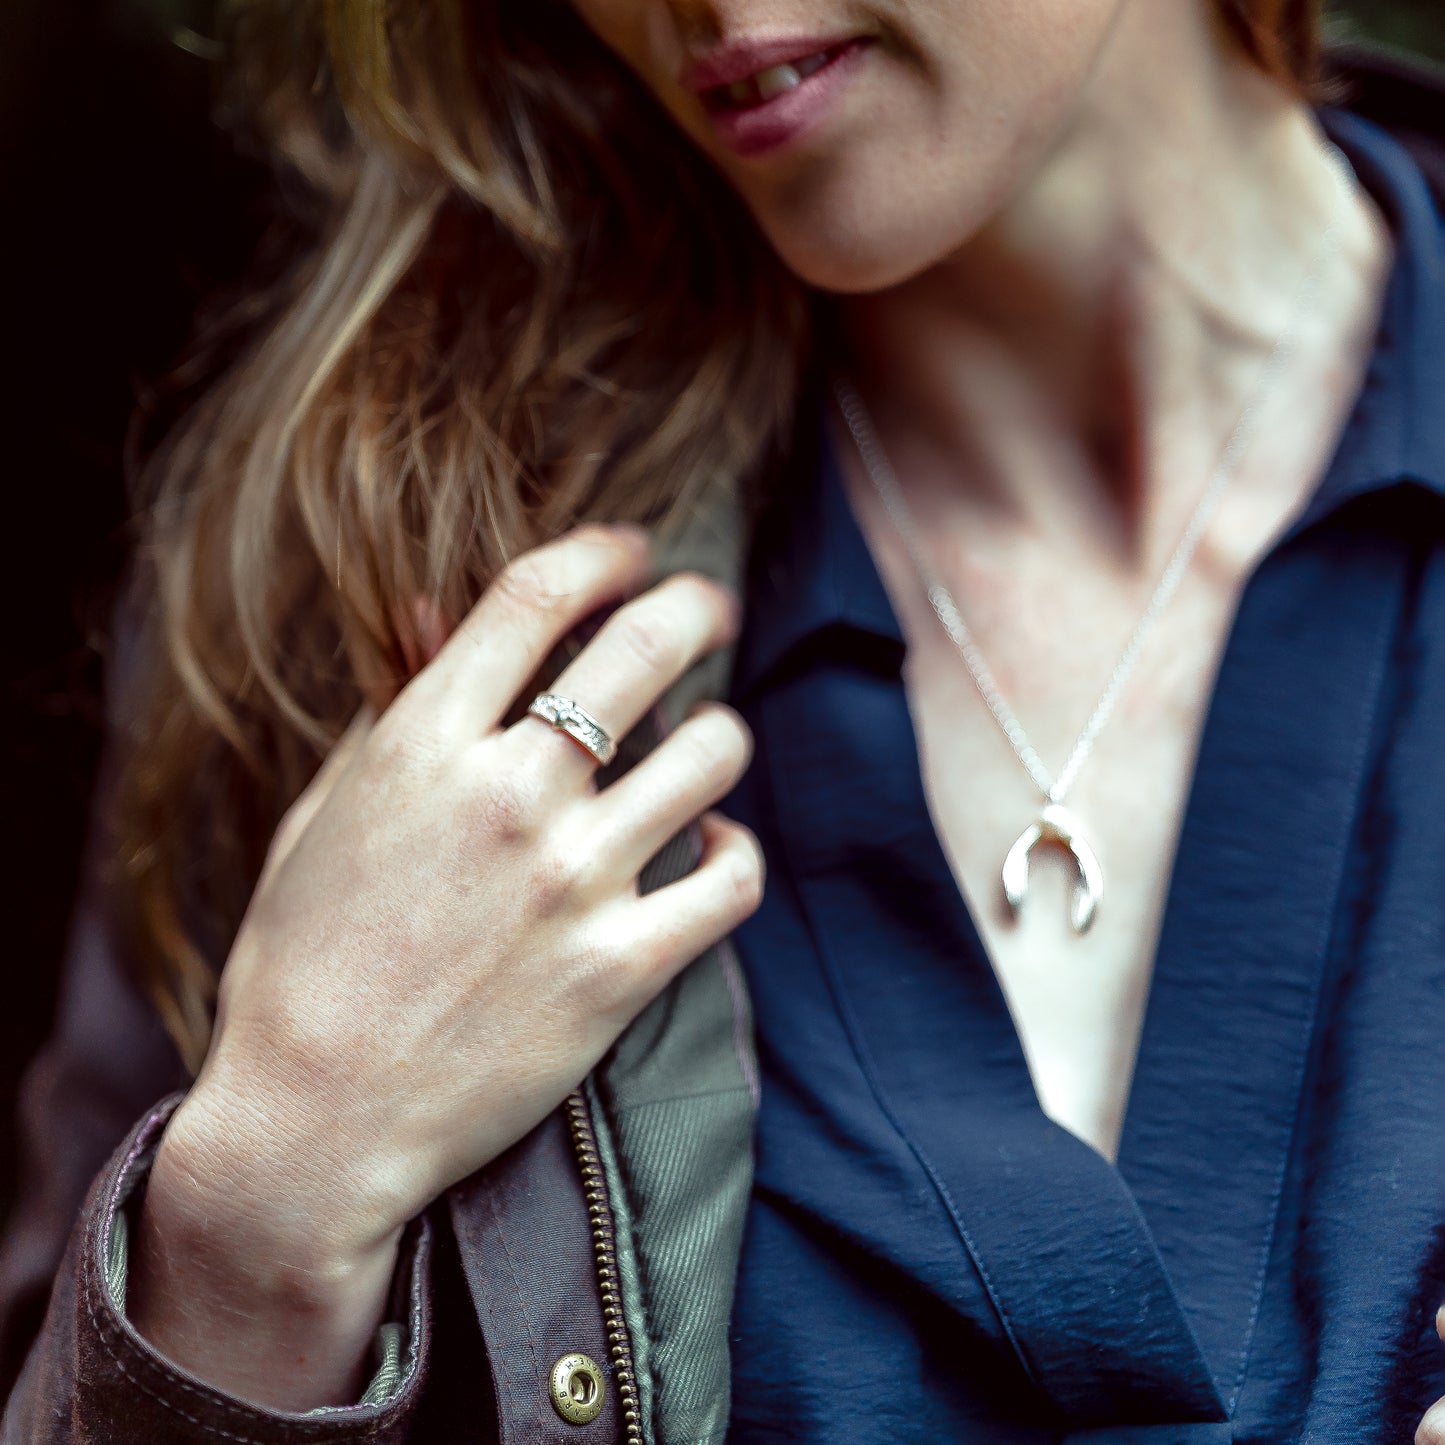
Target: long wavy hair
{"points": [[520, 300]]}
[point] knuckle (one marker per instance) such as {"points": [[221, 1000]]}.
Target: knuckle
{"points": [[603, 972], [748, 889], [561, 876], [664, 627], [508, 807], [645, 630], [745, 870], [645, 969], [527, 584], [548, 575]]}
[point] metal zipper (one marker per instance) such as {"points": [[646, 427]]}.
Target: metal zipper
{"points": [[604, 1251]]}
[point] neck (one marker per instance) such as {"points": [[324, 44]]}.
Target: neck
{"points": [[1077, 366]]}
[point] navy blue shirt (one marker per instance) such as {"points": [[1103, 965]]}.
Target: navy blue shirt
{"points": [[928, 1257]]}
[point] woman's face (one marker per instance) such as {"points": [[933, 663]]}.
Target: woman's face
{"points": [[869, 138]]}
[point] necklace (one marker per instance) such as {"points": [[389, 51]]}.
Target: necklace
{"points": [[1055, 824]]}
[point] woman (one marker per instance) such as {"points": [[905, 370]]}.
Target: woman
{"points": [[1057, 360]]}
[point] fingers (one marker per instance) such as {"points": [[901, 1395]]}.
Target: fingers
{"points": [[525, 613], [660, 932], [638, 653], [1432, 1427], [694, 767]]}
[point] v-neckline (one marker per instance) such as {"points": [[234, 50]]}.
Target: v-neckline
{"points": [[1105, 1275]]}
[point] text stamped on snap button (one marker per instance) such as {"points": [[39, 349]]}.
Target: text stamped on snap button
{"points": [[578, 1389]]}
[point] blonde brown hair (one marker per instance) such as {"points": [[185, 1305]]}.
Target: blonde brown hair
{"points": [[1283, 36], [527, 303]]}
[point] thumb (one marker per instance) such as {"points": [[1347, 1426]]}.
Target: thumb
{"points": [[299, 815]]}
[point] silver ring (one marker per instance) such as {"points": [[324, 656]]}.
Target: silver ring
{"points": [[579, 724]]}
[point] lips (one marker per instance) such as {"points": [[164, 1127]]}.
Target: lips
{"points": [[765, 95], [743, 60]]}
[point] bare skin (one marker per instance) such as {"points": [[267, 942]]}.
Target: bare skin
{"points": [[446, 937], [1063, 236], [1053, 459], [1064, 239]]}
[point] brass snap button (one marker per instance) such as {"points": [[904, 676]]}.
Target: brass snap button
{"points": [[578, 1389]]}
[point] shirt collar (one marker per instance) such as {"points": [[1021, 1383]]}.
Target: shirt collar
{"points": [[1397, 431], [810, 572]]}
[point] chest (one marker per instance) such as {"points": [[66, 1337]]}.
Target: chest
{"points": [[1285, 1047], [1077, 1000]]}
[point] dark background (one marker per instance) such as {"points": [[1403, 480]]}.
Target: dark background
{"points": [[121, 207]]}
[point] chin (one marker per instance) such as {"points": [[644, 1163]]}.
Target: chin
{"points": [[854, 269], [853, 254], [869, 217]]}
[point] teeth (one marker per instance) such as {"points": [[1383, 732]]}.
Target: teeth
{"points": [[776, 81]]}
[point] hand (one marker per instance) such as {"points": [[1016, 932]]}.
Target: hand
{"points": [[446, 937]]}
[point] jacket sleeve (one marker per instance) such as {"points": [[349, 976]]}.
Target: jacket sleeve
{"points": [[106, 1061], [87, 1375], [90, 1377]]}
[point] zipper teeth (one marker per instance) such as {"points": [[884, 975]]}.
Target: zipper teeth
{"points": [[604, 1252]]}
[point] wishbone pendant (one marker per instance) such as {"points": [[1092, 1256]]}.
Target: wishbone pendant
{"points": [[1058, 826]]}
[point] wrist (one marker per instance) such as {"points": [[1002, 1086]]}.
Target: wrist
{"points": [[288, 1219], [259, 1297]]}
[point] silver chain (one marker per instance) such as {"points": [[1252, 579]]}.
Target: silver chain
{"points": [[885, 482]]}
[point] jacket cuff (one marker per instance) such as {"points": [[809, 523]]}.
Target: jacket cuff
{"points": [[127, 1391], [392, 1358]]}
